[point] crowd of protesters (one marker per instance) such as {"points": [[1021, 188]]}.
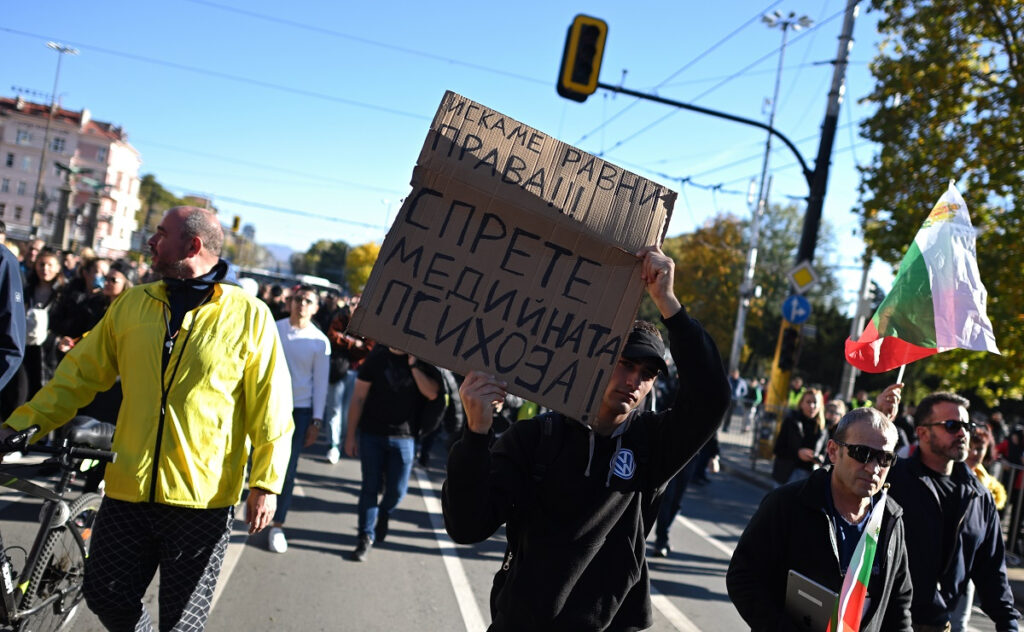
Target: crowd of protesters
{"points": [[386, 408]]}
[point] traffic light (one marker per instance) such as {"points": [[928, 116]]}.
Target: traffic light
{"points": [[236, 223], [788, 347], [581, 60]]}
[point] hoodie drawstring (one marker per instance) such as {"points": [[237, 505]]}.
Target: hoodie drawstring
{"points": [[590, 456], [611, 464]]}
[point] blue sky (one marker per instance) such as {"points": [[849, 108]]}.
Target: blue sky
{"points": [[320, 108]]}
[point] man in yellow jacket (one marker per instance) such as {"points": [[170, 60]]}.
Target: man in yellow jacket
{"points": [[204, 381]]}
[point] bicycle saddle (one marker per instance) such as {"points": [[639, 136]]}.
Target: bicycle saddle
{"points": [[90, 432]]}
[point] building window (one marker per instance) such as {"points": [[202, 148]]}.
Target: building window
{"points": [[58, 145], [3, 209], [17, 212], [23, 137], [49, 219], [26, 163], [5, 185], [21, 187], [9, 162], [101, 154]]}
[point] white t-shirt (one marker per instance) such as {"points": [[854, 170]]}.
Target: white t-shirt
{"points": [[308, 353]]}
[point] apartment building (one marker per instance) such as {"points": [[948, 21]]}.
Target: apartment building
{"points": [[104, 201]]}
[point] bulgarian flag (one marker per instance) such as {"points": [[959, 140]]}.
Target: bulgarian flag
{"points": [[937, 301], [855, 585]]}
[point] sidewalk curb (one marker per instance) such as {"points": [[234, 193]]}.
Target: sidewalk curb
{"points": [[743, 472]]}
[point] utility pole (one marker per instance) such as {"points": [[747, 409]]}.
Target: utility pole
{"points": [[38, 198], [747, 285], [777, 395]]}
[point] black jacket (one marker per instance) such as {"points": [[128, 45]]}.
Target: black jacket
{"points": [[792, 529], [576, 553], [12, 316], [977, 546], [796, 432]]}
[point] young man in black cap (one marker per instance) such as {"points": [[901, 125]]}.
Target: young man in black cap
{"points": [[579, 500]]}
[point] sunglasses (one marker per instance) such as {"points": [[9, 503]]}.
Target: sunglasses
{"points": [[952, 426], [866, 454]]}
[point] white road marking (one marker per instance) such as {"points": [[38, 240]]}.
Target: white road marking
{"points": [[689, 524], [674, 615], [239, 536], [471, 615]]}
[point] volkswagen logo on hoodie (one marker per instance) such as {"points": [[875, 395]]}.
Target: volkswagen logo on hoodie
{"points": [[625, 464]]}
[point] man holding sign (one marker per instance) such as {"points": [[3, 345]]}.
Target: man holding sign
{"points": [[579, 499]]}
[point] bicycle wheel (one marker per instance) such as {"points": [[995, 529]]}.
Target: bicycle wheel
{"points": [[61, 569]]}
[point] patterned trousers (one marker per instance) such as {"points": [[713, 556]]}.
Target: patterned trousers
{"points": [[131, 540]]}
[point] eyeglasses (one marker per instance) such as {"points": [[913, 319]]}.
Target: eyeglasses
{"points": [[866, 454], [953, 426]]}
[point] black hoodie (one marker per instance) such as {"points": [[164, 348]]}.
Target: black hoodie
{"points": [[576, 555]]}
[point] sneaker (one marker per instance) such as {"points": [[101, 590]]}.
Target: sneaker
{"points": [[362, 549], [333, 455], [276, 541], [381, 530], [662, 548]]}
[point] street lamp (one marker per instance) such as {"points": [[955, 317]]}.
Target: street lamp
{"points": [[36, 202], [774, 19]]}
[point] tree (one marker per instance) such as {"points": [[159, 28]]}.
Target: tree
{"points": [[155, 200], [709, 269], [325, 258], [359, 264], [949, 89]]}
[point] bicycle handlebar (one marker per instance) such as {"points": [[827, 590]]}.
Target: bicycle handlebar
{"points": [[19, 443]]}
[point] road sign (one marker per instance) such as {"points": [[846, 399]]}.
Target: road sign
{"points": [[796, 309], [802, 277]]}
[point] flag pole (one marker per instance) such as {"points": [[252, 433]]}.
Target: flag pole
{"points": [[899, 376]]}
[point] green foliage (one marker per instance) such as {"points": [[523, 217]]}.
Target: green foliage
{"points": [[155, 200], [325, 258], [949, 92], [709, 270], [359, 264]]}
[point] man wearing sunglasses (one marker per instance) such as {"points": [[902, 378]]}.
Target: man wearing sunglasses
{"points": [[952, 526], [812, 526]]}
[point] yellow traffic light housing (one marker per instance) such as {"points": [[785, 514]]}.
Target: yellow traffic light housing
{"points": [[236, 223], [581, 60]]}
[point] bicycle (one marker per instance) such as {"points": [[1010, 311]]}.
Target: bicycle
{"points": [[45, 594]]}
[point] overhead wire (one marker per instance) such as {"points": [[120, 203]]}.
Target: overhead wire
{"points": [[365, 40], [738, 73], [223, 75], [274, 168], [280, 209], [685, 66]]}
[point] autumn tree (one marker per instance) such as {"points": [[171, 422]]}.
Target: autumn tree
{"points": [[359, 264], [709, 269], [949, 90]]}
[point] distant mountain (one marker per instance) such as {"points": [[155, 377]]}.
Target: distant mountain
{"points": [[282, 253]]}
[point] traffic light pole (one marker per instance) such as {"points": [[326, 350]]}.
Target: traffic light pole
{"points": [[581, 64], [777, 397], [808, 174]]}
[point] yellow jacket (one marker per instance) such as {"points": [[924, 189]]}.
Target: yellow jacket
{"points": [[991, 484], [182, 437]]}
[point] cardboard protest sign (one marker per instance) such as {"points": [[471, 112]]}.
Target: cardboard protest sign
{"points": [[513, 254]]}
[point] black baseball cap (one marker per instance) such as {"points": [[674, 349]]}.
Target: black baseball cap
{"points": [[645, 345]]}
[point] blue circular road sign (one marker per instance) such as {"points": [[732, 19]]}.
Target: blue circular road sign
{"points": [[796, 309]]}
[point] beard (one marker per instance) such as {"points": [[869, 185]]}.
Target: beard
{"points": [[172, 269]]}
